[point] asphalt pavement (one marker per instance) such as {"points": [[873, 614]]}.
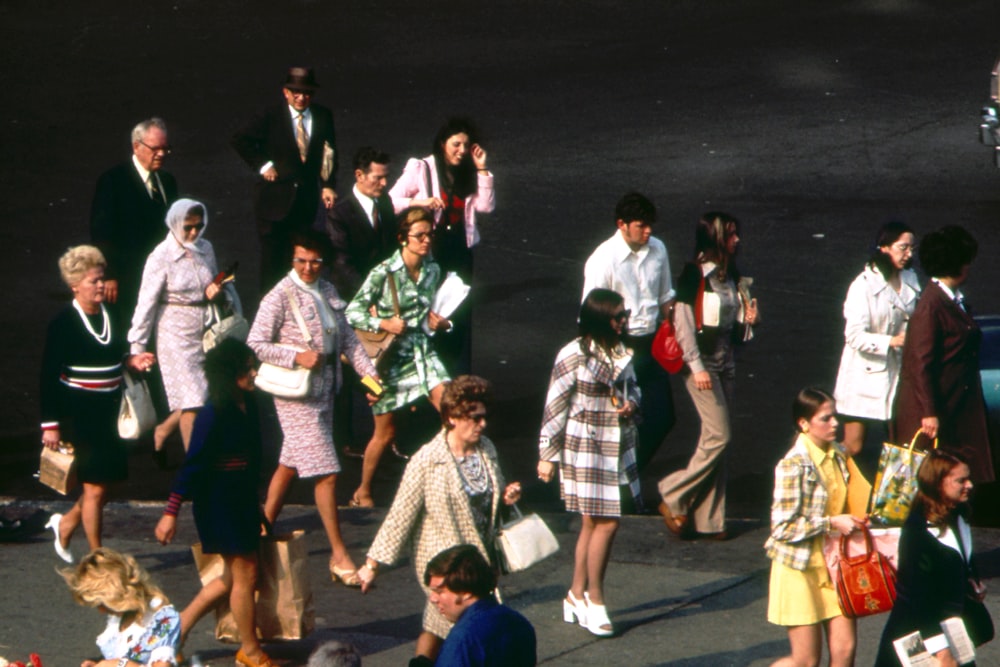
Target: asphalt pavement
{"points": [[674, 603], [812, 122]]}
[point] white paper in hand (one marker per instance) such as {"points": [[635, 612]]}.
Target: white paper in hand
{"points": [[449, 297]]}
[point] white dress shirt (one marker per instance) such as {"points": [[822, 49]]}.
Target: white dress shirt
{"points": [[145, 175], [367, 204], [641, 276]]}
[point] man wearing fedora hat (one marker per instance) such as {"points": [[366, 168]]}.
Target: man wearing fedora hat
{"points": [[294, 149]]}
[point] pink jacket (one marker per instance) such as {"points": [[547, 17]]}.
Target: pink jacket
{"points": [[412, 184]]}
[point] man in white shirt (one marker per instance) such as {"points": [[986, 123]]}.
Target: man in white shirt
{"points": [[634, 263]]}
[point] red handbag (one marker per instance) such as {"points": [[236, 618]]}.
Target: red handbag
{"points": [[666, 350], [866, 583]]}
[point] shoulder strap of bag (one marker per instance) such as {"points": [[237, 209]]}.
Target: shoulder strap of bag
{"points": [[699, 303], [427, 178], [298, 316], [395, 294]]}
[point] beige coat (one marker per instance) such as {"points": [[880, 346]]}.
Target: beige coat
{"points": [[431, 513]]}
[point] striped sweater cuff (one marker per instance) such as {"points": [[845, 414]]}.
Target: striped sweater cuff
{"points": [[174, 504]]}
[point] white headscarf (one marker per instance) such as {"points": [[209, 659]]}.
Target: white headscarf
{"points": [[175, 222]]}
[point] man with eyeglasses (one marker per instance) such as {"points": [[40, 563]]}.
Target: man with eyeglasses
{"points": [[293, 148], [634, 263], [127, 214]]}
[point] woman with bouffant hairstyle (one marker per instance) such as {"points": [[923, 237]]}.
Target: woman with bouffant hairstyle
{"points": [[450, 494], [143, 628], [80, 393]]}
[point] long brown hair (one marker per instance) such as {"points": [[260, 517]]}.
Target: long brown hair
{"points": [[930, 478]]}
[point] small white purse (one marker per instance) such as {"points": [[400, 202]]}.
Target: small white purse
{"points": [[137, 413], [525, 541], [282, 382]]}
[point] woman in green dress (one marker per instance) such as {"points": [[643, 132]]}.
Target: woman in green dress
{"points": [[412, 369]]}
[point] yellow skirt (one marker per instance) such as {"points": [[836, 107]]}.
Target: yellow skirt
{"points": [[801, 597]]}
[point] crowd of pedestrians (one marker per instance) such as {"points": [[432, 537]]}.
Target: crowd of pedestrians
{"points": [[372, 259]]}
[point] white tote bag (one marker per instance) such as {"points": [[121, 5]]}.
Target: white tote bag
{"points": [[525, 541], [137, 413]]}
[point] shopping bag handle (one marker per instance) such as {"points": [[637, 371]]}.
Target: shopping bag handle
{"points": [[916, 436]]}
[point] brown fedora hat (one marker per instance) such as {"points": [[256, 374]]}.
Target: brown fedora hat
{"points": [[301, 78]]}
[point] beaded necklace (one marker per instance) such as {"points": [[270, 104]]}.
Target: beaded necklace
{"points": [[105, 336]]}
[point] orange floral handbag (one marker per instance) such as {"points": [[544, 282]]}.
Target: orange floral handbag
{"points": [[866, 583]]}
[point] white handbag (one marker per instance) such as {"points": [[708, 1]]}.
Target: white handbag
{"points": [[525, 541], [137, 413], [284, 382]]}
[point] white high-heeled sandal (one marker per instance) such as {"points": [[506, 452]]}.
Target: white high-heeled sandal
{"points": [[597, 618], [574, 611], [61, 551]]}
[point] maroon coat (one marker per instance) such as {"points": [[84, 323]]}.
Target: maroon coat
{"points": [[940, 378]]}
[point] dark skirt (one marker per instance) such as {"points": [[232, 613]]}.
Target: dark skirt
{"points": [[92, 428], [227, 513]]}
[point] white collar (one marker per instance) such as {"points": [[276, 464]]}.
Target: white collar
{"points": [[143, 172], [948, 539], [622, 250], [306, 113], [366, 202], [952, 294]]}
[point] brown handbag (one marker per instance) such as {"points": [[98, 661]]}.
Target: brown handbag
{"points": [[866, 583], [378, 343]]}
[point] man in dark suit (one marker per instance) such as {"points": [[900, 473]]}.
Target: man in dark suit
{"points": [[940, 391], [294, 149], [128, 212], [362, 224], [362, 231]]}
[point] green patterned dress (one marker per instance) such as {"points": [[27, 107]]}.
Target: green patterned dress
{"points": [[412, 368]]}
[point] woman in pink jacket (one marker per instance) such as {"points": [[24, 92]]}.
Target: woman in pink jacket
{"points": [[454, 183]]}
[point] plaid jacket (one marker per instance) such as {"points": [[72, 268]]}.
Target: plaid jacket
{"points": [[798, 512], [582, 432]]}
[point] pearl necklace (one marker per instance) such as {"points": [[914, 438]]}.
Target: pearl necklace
{"points": [[105, 336]]}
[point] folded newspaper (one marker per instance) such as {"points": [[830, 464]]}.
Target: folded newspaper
{"points": [[915, 651]]}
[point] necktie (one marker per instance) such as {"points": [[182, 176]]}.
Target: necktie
{"points": [[375, 218], [154, 190], [301, 137]]}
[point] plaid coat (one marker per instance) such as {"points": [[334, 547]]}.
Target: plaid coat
{"points": [[798, 512], [581, 429], [431, 513]]}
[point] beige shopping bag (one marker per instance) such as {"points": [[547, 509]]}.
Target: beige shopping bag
{"points": [[284, 598], [57, 469]]}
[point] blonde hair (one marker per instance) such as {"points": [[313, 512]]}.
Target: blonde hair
{"points": [[75, 263], [114, 580]]}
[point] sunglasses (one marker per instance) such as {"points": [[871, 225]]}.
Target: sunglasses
{"points": [[190, 228], [622, 316]]}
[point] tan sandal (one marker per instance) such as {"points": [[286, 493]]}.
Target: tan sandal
{"points": [[349, 578]]}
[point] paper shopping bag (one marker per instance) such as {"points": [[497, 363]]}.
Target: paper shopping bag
{"points": [[284, 607], [57, 469]]}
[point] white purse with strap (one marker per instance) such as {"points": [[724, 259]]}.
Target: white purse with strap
{"points": [[136, 415], [284, 382]]}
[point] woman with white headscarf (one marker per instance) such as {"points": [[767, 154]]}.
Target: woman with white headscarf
{"points": [[178, 285]]}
